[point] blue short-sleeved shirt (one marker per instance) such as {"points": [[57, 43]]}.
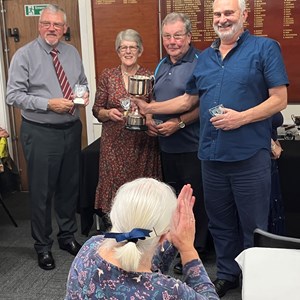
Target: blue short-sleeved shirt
{"points": [[170, 82], [239, 82]]}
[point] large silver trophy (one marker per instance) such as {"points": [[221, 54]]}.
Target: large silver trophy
{"points": [[138, 85]]}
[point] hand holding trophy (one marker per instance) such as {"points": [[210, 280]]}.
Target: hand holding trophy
{"points": [[79, 92]]}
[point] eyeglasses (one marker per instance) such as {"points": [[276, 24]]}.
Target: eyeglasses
{"points": [[47, 25], [176, 36], [132, 49]]}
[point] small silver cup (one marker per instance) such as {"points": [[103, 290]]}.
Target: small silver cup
{"points": [[126, 104]]}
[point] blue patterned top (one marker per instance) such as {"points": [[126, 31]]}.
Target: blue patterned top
{"points": [[91, 277]]}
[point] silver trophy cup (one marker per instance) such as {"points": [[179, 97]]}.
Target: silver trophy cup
{"points": [[138, 86]]}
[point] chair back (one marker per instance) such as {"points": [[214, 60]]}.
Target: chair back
{"points": [[270, 240]]}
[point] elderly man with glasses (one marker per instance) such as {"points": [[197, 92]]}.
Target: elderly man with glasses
{"points": [[41, 79], [179, 133]]}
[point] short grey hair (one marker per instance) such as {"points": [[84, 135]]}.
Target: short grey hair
{"points": [[144, 203], [54, 9], [131, 36], [174, 17]]}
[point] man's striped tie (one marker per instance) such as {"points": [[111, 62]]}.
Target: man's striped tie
{"points": [[62, 78]]}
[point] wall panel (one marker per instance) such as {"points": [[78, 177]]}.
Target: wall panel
{"points": [[112, 16]]}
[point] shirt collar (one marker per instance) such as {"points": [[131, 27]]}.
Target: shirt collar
{"points": [[47, 47], [216, 44], [187, 57]]}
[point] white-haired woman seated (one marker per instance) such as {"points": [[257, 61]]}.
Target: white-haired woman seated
{"points": [[148, 227]]}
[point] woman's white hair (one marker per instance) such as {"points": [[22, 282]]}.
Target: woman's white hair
{"points": [[131, 36], [142, 203]]}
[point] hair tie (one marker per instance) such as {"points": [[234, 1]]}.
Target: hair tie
{"points": [[133, 236]]}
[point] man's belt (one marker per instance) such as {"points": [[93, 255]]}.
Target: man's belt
{"points": [[54, 126]]}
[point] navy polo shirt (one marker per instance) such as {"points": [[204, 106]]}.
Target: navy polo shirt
{"points": [[170, 82], [239, 82]]}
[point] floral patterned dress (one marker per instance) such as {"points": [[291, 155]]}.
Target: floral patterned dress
{"points": [[124, 154], [92, 277]]}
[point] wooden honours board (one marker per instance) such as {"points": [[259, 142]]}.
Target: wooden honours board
{"points": [[277, 19], [112, 16]]}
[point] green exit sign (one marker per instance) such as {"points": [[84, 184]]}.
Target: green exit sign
{"points": [[34, 10]]}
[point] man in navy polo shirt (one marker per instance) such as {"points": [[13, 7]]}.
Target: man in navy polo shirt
{"points": [[179, 133], [245, 74]]}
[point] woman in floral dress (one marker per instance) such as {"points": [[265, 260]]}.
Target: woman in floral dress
{"points": [[124, 154]]}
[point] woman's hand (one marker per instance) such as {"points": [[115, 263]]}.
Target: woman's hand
{"points": [[182, 233], [115, 115], [112, 114]]}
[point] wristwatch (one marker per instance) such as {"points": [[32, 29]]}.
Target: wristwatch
{"points": [[181, 124]]}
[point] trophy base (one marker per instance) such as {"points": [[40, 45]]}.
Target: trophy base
{"points": [[137, 127], [78, 101]]}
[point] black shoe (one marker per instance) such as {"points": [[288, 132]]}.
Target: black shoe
{"points": [[72, 247], [178, 268], [46, 261], [223, 286]]}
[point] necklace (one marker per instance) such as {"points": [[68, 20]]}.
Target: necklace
{"points": [[133, 71], [126, 75]]}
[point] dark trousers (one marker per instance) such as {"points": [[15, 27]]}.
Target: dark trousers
{"points": [[52, 157], [237, 197], [180, 169]]}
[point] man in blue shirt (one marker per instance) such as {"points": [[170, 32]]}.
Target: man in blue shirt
{"points": [[179, 133], [245, 74]]}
